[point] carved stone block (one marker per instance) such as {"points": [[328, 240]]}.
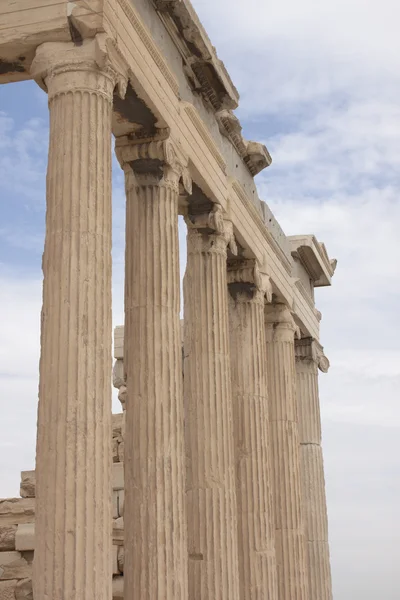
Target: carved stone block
{"points": [[118, 588], [28, 484], [115, 450], [7, 590], [23, 590], [16, 568], [114, 555], [118, 476], [7, 537], [25, 537], [16, 510]]}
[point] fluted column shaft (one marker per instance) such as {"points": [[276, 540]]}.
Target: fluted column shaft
{"points": [[154, 511], [73, 461], [289, 520], [308, 358], [211, 497], [256, 528]]}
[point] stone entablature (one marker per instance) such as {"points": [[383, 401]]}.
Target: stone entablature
{"points": [[210, 459], [161, 98]]}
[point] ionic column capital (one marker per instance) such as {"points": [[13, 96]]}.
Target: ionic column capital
{"points": [[309, 350], [95, 66], [210, 232], [149, 162], [247, 281], [279, 322]]}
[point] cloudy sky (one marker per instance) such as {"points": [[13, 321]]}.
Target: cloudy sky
{"points": [[319, 84]]}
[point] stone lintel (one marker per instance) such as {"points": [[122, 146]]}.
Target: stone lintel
{"points": [[314, 257]]}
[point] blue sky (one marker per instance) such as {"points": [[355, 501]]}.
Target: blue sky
{"points": [[320, 87]]}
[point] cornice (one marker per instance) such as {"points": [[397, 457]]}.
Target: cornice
{"points": [[146, 38], [254, 154], [314, 257], [207, 73]]}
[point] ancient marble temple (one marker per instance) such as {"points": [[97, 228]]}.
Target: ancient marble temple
{"points": [[210, 484]]}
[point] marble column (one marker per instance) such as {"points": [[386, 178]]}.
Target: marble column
{"points": [[310, 357], [154, 511], [73, 460], [256, 528], [289, 520], [211, 496]]}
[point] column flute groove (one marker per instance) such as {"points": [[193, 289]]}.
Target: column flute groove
{"points": [[154, 510], [211, 495], [73, 471], [288, 514], [310, 357], [256, 527]]}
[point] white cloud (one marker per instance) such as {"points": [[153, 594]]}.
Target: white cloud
{"points": [[23, 153], [20, 305], [319, 84]]}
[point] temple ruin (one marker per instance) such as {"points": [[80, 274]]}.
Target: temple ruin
{"points": [[210, 484]]}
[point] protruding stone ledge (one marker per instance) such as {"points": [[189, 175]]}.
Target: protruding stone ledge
{"points": [[25, 537], [314, 258], [254, 154]]}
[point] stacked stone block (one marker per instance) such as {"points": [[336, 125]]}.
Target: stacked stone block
{"points": [[17, 529], [16, 543]]}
